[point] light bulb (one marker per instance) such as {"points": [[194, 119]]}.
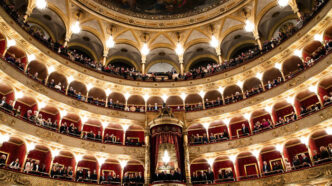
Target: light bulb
{"points": [[179, 49], [249, 27], [110, 42], [214, 42], [41, 4], [145, 49], [75, 27], [283, 3]]}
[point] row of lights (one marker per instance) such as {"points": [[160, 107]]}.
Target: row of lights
{"points": [[214, 42], [55, 152], [279, 147]]}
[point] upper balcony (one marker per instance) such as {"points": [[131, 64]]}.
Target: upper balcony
{"points": [[268, 59]]}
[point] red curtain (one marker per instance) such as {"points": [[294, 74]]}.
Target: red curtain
{"points": [[111, 167], [90, 164], [76, 124], [134, 168], [44, 158], [14, 151], [64, 160], [315, 144], [2, 46], [94, 129], [234, 127], [285, 111], [222, 164], [291, 151], [242, 163], [115, 132], [136, 134], [198, 167], [52, 116], [309, 101], [24, 107]]}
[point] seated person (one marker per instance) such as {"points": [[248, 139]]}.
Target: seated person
{"points": [[296, 162], [266, 168], [15, 164], [324, 154], [79, 175], [276, 167], [93, 177], [212, 138], [98, 136], [205, 139], [305, 161], [194, 178], [245, 130], [210, 176], [3, 160], [198, 140], [229, 175]]}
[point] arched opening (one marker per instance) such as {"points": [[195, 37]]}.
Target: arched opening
{"points": [[223, 169], [37, 71], [306, 102], [292, 66], [319, 143], [17, 57], [14, 150], [272, 78], [111, 169], [296, 152], [261, 120], [113, 134], [134, 136], [7, 96], [232, 94], [193, 102], [97, 96], [87, 166], [310, 51], [51, 116], [78, 90], [197, 134], [247, 166], [57, 81], [213, 98], [271, 161], [116, 101], [252, 87], [27, 106], [3, 44], [283, 113], [65, 161], [41, 156], [71, 124], [239, 127], [136, 103], [154, 103], [175, 102], [325, 90], [218, 132], [92, 130]]}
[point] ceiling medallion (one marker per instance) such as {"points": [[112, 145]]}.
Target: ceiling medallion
{"points": [[148, 13]]}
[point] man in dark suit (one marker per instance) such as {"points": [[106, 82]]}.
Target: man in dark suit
{"points": [[210, 176], [79, 175], [102, 179], [245, 130], [266, 168]]}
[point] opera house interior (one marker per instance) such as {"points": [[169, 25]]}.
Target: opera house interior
{"points": [[166, 92]]}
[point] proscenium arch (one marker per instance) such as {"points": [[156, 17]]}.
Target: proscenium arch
{"points": [[174, 64], [132, 62], [210, 56]]}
